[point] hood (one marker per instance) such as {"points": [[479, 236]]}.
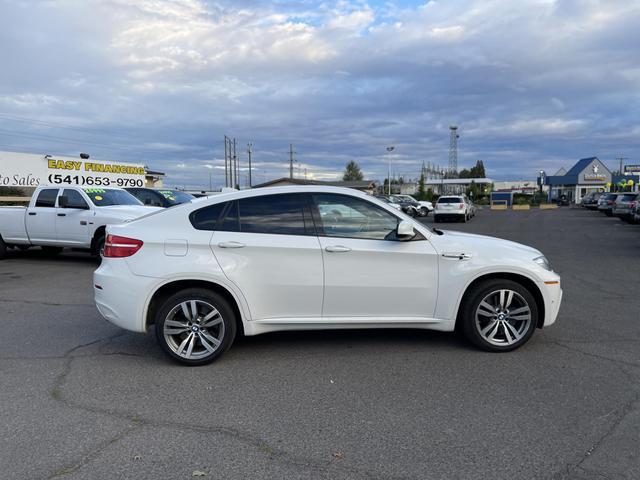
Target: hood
{"points": [[129, 212], [453, 241]]}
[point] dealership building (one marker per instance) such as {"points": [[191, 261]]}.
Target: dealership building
{"points": [[587, 175]]}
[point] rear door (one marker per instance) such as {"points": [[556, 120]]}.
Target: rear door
{"points": [[368, 271], [72, 222], [41, 218], [267, 246]]}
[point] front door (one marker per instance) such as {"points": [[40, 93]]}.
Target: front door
{"points": [[41, 218], [368, 271], [267, 246], [72, 222]]}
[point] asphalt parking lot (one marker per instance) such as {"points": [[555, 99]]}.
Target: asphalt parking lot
{"points": [[83, 399]]}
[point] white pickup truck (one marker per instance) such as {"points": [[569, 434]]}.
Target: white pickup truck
{"points": [[59, 217]]}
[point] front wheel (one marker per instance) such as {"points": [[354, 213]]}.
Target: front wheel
{"points": [[501, 315], [195, 326], [3, 249]]}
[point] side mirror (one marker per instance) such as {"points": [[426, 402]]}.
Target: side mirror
{"points": [[63, 201], [405, 231]]}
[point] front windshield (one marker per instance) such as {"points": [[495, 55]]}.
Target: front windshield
{"points": [[105, 197], [176, 197]]}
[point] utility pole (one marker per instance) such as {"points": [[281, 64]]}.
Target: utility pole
{"points": [[622, 159], [226, 167], [389, 150], [249, 150], [236, 165], [291, 152], [453, 150]]}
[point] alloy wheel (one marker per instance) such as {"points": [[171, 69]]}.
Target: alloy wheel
{"points": [[194, 329], [503, 317]]}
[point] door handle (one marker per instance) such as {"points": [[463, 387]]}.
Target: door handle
{"points": [[337, 248], [32, 213], [62, 214], [231, 245], [457, 256]]}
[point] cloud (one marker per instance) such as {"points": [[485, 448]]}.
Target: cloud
{"points": [[161, 82]]}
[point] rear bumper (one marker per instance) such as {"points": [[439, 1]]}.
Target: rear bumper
{"points": [[120, 295]]}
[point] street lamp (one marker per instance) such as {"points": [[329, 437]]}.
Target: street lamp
{"points": [[389, 149], [442, 182]]}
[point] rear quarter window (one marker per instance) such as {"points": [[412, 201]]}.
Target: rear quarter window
{"points": [[207, 218]]}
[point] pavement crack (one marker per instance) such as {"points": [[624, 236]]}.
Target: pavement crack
{"points": [[595, 355], [67, 470]]}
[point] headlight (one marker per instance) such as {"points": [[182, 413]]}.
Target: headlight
{"points": [[543, 262]]}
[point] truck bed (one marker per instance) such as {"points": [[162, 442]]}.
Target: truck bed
{"points": [[12, 225]]}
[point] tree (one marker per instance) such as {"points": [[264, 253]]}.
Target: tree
{"points": [[422, 194], [352, 172]]}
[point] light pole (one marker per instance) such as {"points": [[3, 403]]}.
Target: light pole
{"points": [[390, 149], [442, 182]]}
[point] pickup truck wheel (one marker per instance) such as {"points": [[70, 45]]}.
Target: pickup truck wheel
{"points": [[501, 315], [3, 249], [195, 326], [51, 251], [98, 247]]}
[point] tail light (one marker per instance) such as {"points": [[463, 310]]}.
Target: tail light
{"points": [[120, 247], [461, 206]]}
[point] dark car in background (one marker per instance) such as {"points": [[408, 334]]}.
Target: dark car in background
{"points": [[605, 203], [160, 198], [624, 206], [590, 200]]}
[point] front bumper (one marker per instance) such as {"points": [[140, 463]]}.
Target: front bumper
{"points": [[552, 294]]}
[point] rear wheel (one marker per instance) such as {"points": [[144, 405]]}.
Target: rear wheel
{"points": [[195, 326], [499, 316]]}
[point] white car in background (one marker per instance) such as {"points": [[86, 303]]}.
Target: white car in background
{"points": [[452, 207], [310, 258], [425, 206]]}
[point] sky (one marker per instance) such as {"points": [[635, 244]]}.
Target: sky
{"points": [[531, 84]]}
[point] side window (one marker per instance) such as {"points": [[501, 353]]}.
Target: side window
{"points": [[47, 198], [149, 198], [274, 214], [207, 218], [75, 199], [350, 217]]}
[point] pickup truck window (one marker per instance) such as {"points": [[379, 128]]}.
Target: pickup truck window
{"points": [[47, 198], [105, 197], [75, 199]]}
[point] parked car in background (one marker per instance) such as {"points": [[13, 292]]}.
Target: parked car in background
{"points": [[282, 259], [408, 204], [590, 200], [605, 203], [472, 208], [624, 206], [385, 199], [160, 198], [636, 212], [59, 217], [423, 207], [452, 207]]}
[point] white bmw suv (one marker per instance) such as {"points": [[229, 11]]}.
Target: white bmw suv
{"points": [[302, 258]]}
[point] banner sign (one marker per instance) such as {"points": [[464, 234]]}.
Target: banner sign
{"points": [[31, 170], [631, 169]]}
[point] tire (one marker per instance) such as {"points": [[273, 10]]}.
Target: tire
{"points": [[51, 251], [465, 218], [3, 249], [98, 246], [177, 333], [497, 329], [423, 212]]}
